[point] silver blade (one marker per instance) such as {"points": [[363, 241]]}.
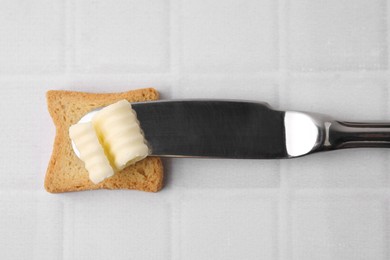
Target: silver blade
{"points": [[213, 128]]}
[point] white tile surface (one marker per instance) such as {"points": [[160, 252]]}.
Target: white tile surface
{"points": [[261, 89], [228, 36], [31, 226], [217, 174], [32, 37], [322, 56], [337, 35], [342, 169], [353, 99], [24, 115], [338, 229], [228, 227], [120, 225], [128, 36]]}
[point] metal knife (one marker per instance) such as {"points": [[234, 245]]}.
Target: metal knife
{"points": [[246, 130]]}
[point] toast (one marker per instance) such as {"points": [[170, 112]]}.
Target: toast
{"points": [[66, 171]]}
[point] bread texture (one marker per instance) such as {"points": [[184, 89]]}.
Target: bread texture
{"points": [[66, 171]]}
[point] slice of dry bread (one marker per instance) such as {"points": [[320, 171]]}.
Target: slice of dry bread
{"points": [[66, 171]]}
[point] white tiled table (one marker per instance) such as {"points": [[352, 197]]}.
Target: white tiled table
{"points": [[324, 56]]}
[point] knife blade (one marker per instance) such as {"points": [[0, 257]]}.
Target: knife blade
{"points": [[213, 128]]}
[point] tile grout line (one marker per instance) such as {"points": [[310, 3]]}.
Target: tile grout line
{"points": [[369, 74], [386, 14], [387, 109], [344, 192], [284, 237], [282, 37], [170, 230], [68, 31], [169, 35], [279, 75], [63, 253], [68, 229], [176, 226], [173, 37], [179, 41], [387, 85], [174, 49], [64, 42], [174, 42], [386, 235]]}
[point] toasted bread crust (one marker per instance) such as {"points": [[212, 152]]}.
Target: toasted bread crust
{"points": [[66, 171]]}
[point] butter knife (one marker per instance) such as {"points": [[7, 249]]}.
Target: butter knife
{"points": [[246, 130]]}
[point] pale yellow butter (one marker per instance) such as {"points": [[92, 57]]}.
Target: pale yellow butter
{"points": [[91, 152], [111, 141], [120, 133]]}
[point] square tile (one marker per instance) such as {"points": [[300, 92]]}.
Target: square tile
{"points": [[120, 225], [228, 227], [128, 36], [337, 35], [217, 37], [31, 226], [31, 36], [338, 229]]}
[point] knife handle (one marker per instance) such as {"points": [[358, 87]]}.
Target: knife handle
{"points": [[358, 134]]}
